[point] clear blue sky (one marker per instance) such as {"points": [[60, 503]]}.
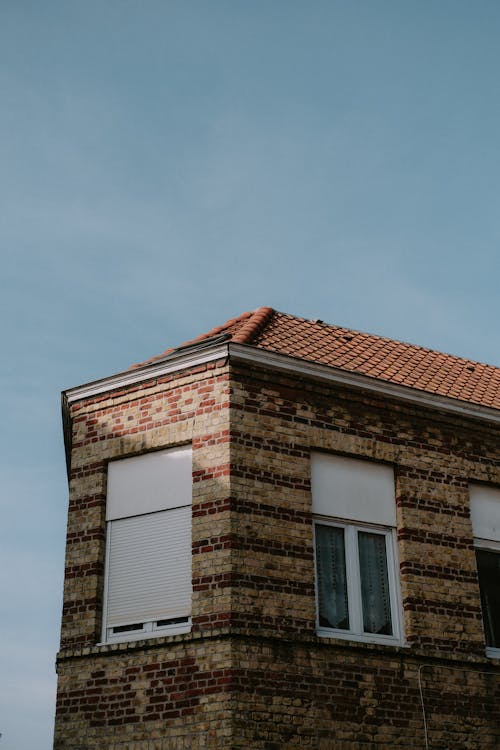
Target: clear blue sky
{"points": [[167, 165]]}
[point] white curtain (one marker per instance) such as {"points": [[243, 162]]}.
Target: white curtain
{"points": [[374, 583], [331, 571]]}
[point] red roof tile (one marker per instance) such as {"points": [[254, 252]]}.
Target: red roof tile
{"points": [[353, 351]]}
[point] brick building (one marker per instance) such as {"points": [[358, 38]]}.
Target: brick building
{"points": [[283, 534]]}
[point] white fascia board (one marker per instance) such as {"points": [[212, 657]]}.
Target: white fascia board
{"points": [[325, 373], [174, 363], [244, 353]]}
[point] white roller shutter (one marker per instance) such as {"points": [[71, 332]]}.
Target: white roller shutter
{"points": [[485, 512], [353, 489], [147, 483], [149, 567]]}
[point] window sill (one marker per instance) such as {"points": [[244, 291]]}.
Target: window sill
{"points": [[378, 640], [143, 635], [493, 653]]}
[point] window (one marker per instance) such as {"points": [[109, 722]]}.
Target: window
{"points": [[485, 515], [148, 554], [357, 590]]}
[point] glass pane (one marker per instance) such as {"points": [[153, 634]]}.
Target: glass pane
{"points": [[488, 568], [331, 573], [126, 628], [375, 594]]}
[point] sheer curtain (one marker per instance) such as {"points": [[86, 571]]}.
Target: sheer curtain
{"points": [[332, 583], [374, 583]]}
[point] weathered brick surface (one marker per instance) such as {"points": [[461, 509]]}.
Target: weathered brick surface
{"points": [[167, 692], [175, 696], [253, 673], [324, 697]]}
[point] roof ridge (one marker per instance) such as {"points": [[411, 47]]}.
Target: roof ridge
{"points": [[248, 330], [257, 321]]}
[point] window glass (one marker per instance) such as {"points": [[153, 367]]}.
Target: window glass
{"points": [[375, 595], [488, 568], [356, 598], [485, 517], [332, 581]]}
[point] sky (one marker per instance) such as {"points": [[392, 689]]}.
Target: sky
{"points": [[168, 165]]}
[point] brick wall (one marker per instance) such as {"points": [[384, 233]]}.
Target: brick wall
{"points": [[253, 673], [297, 690], [169, 692]]}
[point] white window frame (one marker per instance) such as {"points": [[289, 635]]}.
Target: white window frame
{"points": [[148, 628], [485, 517], [492, 652], [353, 576]]}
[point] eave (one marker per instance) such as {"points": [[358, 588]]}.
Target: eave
{"points": [[221, 348]]}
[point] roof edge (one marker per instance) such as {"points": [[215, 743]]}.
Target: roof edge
{"points": [[179, 359], [220, 330], [191, 357], [286, 363]]}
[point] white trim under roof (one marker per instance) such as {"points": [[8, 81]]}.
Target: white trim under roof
{"points": [[244, 353], [178, 360], [365, 382]]}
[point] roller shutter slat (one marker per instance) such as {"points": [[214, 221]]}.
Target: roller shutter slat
{"points": [[149, 574]]}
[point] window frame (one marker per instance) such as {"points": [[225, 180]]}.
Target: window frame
{"points": [[149, 628], [488, 545], [353, 577], [484, 507]]}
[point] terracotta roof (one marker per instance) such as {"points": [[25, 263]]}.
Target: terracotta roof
{"points": [[353, 351]]}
